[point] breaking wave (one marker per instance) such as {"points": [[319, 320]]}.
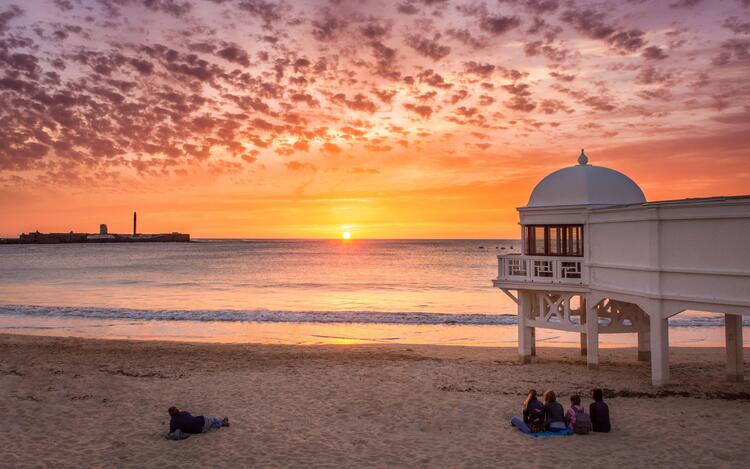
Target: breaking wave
{"points": [[259, 315], [323, 317]]}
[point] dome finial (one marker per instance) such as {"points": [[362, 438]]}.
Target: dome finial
{"points": [[583, 159]]}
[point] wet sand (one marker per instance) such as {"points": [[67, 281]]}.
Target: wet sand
{"points": [[70, 402], [301, 333]]}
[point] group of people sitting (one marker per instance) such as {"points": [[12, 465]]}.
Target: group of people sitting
{"points": [[549, 416]]}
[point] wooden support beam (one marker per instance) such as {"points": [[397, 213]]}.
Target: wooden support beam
{"points": [[559, 326], [584, 343], [644, 345], [592, 336], [733, 334], [659, 335], [510, 295], [525, 333]]}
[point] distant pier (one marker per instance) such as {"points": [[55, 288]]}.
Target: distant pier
{"points": [[66, 238], [102, 237], [63, 238]]}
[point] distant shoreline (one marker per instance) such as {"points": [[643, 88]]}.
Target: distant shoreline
{"points": [[209, 238]]}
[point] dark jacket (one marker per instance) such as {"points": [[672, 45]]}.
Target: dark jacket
{"points": [[186, 423], [534, 409], [554, 412], [599, 412]]}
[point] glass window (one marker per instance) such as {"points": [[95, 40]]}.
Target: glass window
{"points": [[555, 247], [539, 240], [574, 241], [529, 241], [554, 240]]}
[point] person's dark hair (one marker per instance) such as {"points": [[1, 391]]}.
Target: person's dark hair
{"points": [[549, 396], [575, 399], [530, 398], [597, 394], [173, 410]]}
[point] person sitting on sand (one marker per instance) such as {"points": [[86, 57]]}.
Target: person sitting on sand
{"points": [[599, 412], [554, 415], [187, 424], [576, 418], [533, 415]]}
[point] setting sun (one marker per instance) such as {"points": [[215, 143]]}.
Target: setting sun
{"points": [[417, 194]]}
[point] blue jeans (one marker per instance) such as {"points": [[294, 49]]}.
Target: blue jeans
{"points": [[211, 422], [557, 426], [515, 421]]}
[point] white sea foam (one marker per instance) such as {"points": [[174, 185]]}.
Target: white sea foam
{"points": [[323, 317], [259, 315]]}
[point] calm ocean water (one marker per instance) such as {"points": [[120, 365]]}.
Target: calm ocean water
{"points": [[259, 280], [266, 281]]}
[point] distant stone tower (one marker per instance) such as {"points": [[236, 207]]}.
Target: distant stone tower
{"points": [[135, 221], [103, 229]]}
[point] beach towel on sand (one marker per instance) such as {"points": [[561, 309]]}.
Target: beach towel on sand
{"points": [[566, 432]]}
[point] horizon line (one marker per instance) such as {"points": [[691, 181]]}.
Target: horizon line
{"points": [[210, 238]]}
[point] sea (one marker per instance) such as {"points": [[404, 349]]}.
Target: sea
{"points": [[281, 291]]}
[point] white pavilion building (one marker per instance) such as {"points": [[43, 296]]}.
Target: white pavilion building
{"points": [[597, 258]]}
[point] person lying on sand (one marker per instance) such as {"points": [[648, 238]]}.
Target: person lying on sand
{"points": [[182, 424]]}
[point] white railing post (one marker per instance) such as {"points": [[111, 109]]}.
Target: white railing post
{"points": [[532, 269], [585, 272], [556, 274]]}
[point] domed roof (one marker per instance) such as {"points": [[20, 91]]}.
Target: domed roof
{"points": [[584, 184]]}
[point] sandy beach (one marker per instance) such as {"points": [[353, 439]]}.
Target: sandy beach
{"points": [[70, 402]]}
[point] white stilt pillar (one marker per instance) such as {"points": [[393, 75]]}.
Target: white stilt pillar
{"points": [[659, 349], [733, 333], [644, 345], [584, 344], [525, 334], [592, 337]]}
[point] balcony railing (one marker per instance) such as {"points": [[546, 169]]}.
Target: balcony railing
{"points": [[540, 269]]}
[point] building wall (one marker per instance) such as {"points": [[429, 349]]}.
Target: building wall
{"points": [[721, 244], [631, 238], [689, 252]]}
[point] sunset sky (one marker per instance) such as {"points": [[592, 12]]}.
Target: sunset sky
{"points": [[386, 119]]}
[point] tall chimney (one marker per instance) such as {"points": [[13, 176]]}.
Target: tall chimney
{"points": [[135, 219]]}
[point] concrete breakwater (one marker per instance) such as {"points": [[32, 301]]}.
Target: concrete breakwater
{"points": [[61, 238]]}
